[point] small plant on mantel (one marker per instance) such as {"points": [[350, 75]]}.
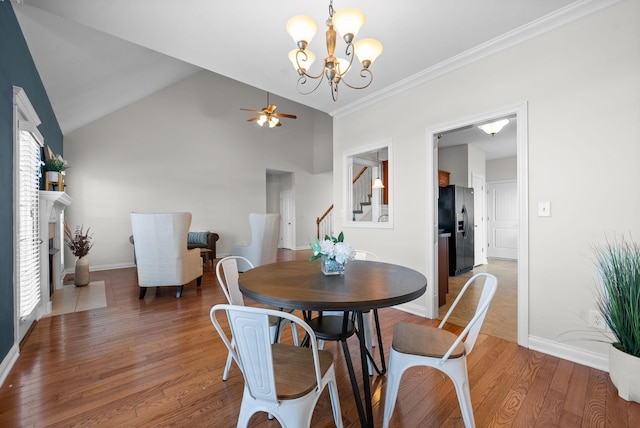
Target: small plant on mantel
{"points": [[79, 243], [56, 163]]}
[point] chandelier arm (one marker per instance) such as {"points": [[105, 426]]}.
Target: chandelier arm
{"points": [[348, 51], [302, 80], [364, 73], [302, 71]]}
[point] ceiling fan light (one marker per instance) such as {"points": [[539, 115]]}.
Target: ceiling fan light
{"points": [[273, 121], [494, 127], [302, 28], [377, 184], [368, 50], [348, 21], [262, 120], [305, 61]]}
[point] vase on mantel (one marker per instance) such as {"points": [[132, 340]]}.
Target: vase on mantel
{"points": [[331, 266], [81, 278]]}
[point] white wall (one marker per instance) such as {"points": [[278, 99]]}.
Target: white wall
{"points": [[581, 84], [455, 160], [502, 169], [189, 148]]}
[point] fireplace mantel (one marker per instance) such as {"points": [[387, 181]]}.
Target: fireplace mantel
{"points": [[52, 206]]}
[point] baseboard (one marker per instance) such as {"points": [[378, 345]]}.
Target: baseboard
{"points": [[94, 268], [8, 363], [413, 309], [570, 353]]}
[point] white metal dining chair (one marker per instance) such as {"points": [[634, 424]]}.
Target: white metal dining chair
{"points": [[283, 380], [418, 345], [227, 274]]}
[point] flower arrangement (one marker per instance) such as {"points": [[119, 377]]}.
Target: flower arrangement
{"points": [[80, 242], [56, 163], [332, 248]]}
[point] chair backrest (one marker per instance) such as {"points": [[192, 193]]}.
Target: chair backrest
{"points": [[227, 274], [252, 346], [160, 244], [470, 332], [365, 255]]}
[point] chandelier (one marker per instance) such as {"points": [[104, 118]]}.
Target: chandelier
{"points": [[347, 22]]}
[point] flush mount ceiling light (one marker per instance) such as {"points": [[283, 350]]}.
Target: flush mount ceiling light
{"points": [[347, 22], [493, 128]]}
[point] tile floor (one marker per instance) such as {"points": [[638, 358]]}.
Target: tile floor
{"points": [[75, 299]]}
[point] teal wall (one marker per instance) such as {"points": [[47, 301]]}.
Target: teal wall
{"points": [[16, 69]]}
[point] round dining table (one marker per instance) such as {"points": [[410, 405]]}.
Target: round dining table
{"points": [[364, 286]]}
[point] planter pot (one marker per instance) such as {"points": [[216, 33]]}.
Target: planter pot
{"points": [[623, 371], [52, 176], [331, 267], [82, 272]]}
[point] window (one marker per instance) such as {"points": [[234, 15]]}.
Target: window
{"points": [[28, 143]]}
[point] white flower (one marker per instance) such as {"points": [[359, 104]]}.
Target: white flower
{"points": [[343, 252]]}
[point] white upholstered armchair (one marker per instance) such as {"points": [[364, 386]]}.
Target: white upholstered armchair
{"points": [[160, 245], [265, 232]]}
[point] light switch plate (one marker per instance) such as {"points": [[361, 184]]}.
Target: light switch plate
{"points": [[544, 209]]}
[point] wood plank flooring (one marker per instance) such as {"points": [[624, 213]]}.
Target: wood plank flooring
{"points": [[158, 362]]}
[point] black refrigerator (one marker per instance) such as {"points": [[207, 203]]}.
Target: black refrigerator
{"points": [[455, 215]]}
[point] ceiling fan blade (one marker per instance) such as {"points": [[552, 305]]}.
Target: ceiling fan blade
{"points": [[289, 116], [248, 109], [279, 124], [253, 118]]}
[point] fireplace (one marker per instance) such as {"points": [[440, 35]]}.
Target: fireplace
{"points": [[52, 206]]}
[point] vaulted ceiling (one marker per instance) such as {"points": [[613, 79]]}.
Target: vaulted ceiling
{"points": [[97, 56]]}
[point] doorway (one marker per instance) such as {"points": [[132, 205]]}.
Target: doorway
{"points": [[518, 117], [281, 200]]}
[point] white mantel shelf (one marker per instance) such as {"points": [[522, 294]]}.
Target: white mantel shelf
{"points": [[59, 197]]}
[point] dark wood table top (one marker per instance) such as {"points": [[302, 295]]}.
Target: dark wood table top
{"points": [[299, 284]]}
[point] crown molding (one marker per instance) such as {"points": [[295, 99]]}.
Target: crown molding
{"points": [[535, 28]]}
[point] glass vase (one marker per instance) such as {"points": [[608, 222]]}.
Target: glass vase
{"points": [[331, 266]]}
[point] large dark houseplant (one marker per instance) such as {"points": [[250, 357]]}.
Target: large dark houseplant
{"points": [[619, 302]]}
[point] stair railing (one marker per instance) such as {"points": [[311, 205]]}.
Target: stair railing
{"points": [[324, 223]]}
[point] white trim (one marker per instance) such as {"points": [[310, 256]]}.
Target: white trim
{"points": [[535, 28], [346, 199], [570, 353], [8, 362], [520, 110]]}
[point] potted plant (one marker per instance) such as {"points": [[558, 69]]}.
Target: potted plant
{"points": [[54, 166], [80, 243], [619, 302]]}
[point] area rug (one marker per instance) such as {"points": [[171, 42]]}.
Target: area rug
{"points": [[75, 299]]}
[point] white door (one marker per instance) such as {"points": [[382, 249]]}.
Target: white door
{"points": [[287, 219], [479, 232], [502, 198]]}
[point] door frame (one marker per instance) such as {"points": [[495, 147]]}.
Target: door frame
{"points": [[520, 111]]}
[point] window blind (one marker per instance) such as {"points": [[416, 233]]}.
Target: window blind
{"points": [[29, 260]]}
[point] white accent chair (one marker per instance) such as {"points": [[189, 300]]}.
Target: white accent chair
{"points": [[162, 257], [418, 345], [265, 233], [227, 274], [283, 380]]}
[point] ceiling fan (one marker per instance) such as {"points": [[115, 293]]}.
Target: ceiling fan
{"points": [[267, 116]]}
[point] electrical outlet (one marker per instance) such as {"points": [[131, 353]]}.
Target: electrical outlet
{"points": [[596, 320]]}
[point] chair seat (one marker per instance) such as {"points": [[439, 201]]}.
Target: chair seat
{"points": [[329, 327], [424, 341], [293, 370]]}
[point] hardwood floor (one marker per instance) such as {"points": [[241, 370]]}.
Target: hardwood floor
{"points": [[158, 362]]}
